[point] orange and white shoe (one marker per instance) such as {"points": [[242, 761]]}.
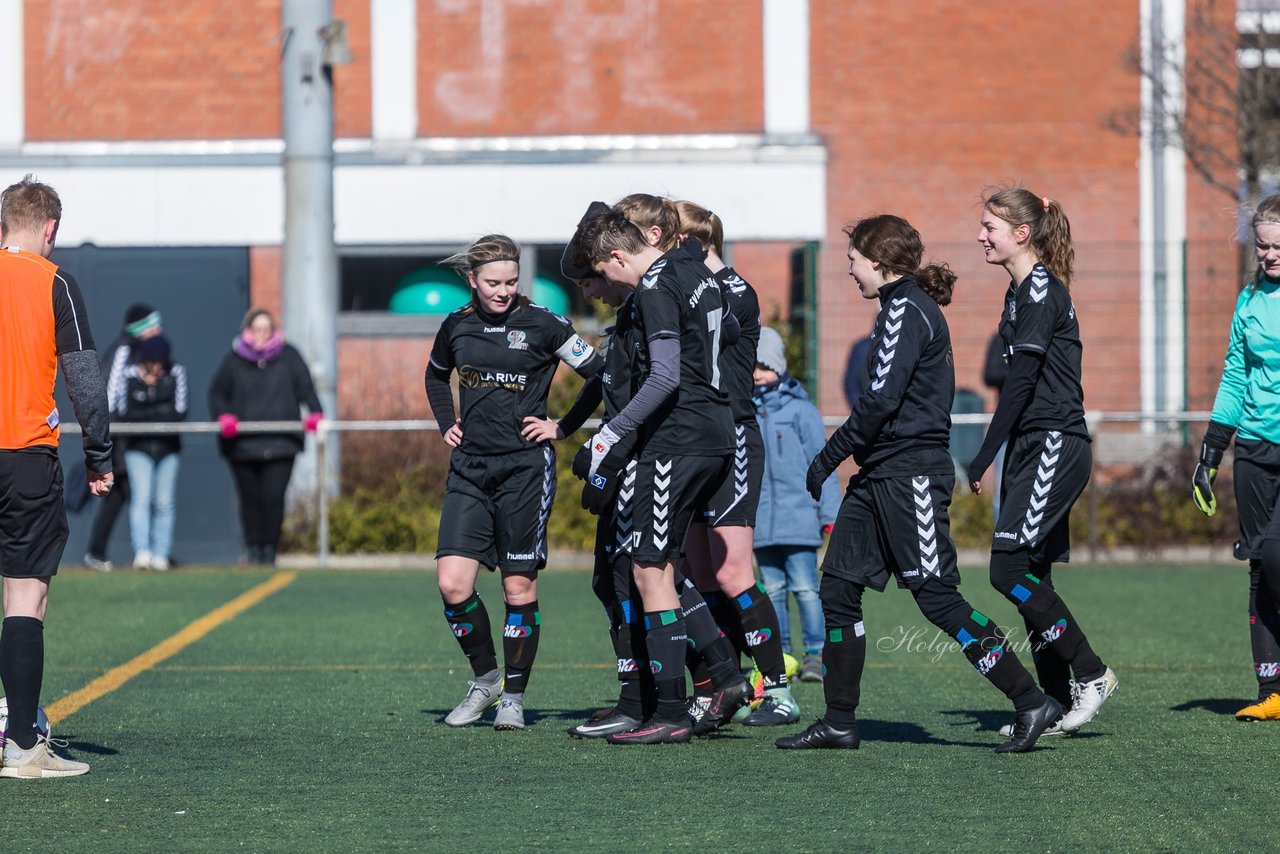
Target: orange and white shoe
{"points": [[1263, 710]]}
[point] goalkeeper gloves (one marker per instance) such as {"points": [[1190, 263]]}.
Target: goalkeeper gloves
{"points": [[1202, 480]]}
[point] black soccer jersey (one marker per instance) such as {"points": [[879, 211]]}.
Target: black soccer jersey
{"points": [[738, 360], [902, 423], [1039, 317], [677, 298], [625, 359], [505, 364]]}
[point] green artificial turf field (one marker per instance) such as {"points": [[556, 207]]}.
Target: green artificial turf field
{"points": [[312, 722]]}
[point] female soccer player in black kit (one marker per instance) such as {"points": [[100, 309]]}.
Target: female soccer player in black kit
{"points": [[893, 520], [610, 495], [1049, 458], [500, 485], [684, 438], [718, 551]]}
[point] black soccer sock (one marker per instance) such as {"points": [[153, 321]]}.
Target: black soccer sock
{"points": [[763, 637], [630, 694], [1042, 608], [843, 658], [726, 617], [21, 673], [981, 641], [520, 645], [1053, 672], [713, 660], [1264, 625], [469, 622], [666, 638]]}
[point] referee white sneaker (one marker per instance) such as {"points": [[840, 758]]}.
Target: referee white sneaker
{"points": [[482, 695], [38, 762], [1089, 697]]}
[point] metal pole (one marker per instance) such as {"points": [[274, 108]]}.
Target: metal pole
{"points": [[322, 495], [1159, 228], [310, 262]]}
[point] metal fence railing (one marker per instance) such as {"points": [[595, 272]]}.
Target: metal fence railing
{"points": [[1152, 432]]}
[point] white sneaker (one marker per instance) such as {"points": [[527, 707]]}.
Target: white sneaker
{"points": [[159, 563], [1089, 697], [482, 695], [38, 762], [98, 563], [510, 712], [142, 559]]}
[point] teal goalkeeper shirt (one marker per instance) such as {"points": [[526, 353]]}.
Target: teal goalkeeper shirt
{"points": [[1249, 394]]}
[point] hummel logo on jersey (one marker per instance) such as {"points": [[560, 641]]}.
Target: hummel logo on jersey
{"points": [[651, 278], [988, 662], [523, 556], [516, 632], [756, 637], [495, 329]]}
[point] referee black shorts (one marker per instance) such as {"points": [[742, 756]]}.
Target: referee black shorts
{"points": [[738, 494], [894, 526], [1257, 483], [33, 518], [669, 490], [1044, 473], [496, 508]]}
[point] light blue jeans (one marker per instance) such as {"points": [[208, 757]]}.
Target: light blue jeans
{"points": [[794, 569], [152, 485]]}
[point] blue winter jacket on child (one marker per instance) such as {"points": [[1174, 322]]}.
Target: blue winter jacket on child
{"points": [[793, 435]]}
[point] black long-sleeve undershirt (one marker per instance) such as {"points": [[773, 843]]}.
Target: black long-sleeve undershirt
{"points": [[1024, 370]]}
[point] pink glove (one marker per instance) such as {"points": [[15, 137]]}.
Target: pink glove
{"points": [[827, 529], [312, 421], [230, 425]]}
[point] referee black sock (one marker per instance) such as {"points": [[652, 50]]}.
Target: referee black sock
{"points": [[726, 617], [666, 639], [520, 645], [469, 622], [843, 656], [21, 672], [761, 633], [1051, 623], [712, 660]]}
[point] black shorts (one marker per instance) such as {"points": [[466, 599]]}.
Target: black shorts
{"points": [[895, 526], [612, 571], [738, 494], [33, 518], [669, 489], [1257, 483], [496, 508], [1044, 473]]}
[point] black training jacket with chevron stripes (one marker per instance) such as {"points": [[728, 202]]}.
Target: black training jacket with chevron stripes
{"points": [[902, 423]]}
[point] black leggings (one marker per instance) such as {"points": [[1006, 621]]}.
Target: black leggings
{"points": [[260, 486]]}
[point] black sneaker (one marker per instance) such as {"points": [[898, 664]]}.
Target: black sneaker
{"points": [[821, 735], [654, 732], [778, 707], [722, 706], [1030, 725], [607, 724]]}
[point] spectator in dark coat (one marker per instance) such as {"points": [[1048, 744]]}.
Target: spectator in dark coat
{"points": [[262, 379]]}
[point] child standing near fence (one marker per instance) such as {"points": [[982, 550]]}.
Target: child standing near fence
{"points": [[789, 523]]}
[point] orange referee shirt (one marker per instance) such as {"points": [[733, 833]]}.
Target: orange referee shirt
{"points": [[42, 316]]}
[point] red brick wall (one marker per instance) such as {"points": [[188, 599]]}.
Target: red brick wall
{"points": [[200, 69], [382, 377], [649, 66], [919, 114]]}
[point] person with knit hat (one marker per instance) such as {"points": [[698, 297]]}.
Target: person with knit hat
{"points": [[141, 322], [154, 389], [789, 523]]}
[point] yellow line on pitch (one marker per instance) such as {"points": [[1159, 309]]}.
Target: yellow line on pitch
{"points": [[117, 676]]}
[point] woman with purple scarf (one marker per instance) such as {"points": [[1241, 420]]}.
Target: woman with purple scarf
{"points": [[262, 379]]}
